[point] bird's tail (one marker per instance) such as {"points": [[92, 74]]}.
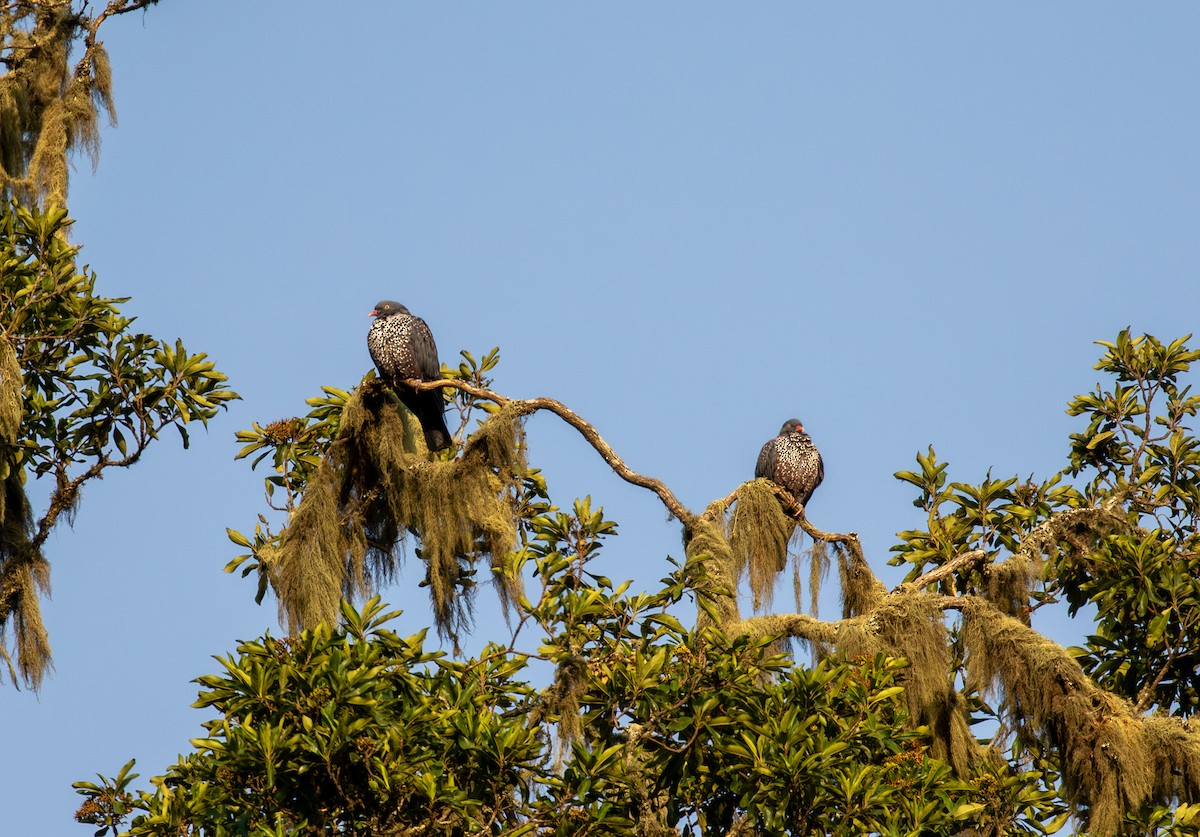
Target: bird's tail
{"points": [[437, 434], [430, 410]]}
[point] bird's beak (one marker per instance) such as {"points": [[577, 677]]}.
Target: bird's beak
{"points": [[373, 313]]}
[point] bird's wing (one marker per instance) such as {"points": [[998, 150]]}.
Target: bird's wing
{"points": [[766, 461], [820, 471], [425, 351], [373, 340]]}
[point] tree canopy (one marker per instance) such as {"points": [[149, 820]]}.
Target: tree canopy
{"points": [[931, 708]]}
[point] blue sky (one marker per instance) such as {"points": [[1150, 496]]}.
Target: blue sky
{"points": [[904, 223]]}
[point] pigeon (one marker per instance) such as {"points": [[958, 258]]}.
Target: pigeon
{"points": [[402, 348], [792, 461]]}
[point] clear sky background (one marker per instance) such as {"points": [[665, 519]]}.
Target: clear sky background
{"points": [[904, 223]]}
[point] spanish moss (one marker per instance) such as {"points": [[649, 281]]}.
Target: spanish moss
{"points": [[759, 532], [377, 484], [1113, 759], [704, 540], [24, 572], [911, 626]]}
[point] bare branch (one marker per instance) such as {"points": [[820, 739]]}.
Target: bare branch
{"points": [[116, 7], [532, 405]]}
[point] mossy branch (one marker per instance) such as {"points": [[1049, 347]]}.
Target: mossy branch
{"points": [[1115, 759], [794, 509], [955, 565]]}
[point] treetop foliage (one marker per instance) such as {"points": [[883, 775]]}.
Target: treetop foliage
{"points": [[932, 708]]}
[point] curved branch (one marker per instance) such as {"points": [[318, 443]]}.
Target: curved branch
{"points": [[115, 7], [532, 405]]}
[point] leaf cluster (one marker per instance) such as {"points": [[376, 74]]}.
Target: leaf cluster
{"points": [[995, 516], [356, 730], [82, 393], [1140, 449]]}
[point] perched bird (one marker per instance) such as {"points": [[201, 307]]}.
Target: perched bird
{"points": [[792, 461], [402, 348]]}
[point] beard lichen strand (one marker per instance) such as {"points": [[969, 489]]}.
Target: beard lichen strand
{"points": [[1114, 759], [759, 533], [704, 537]]}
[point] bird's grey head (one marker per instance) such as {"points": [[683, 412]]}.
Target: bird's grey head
{"points": [[792, 425], [387, 307]]}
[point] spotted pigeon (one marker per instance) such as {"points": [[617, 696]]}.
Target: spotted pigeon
{"points": [[792, 461], [402, 348]]}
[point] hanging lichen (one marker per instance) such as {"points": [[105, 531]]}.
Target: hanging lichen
{"points": [[315, 560], [47, 108], [759, 533], [861, 590], [911, 626], [1113, 760], [561, 700], [1176, 761], [1009, 583], [704, 540], [11, 408], [24, 572], [818, 570], [11, 394], [377, 483]]}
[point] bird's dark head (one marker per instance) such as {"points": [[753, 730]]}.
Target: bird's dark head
{"points": [[792, 425], [387, 307]]}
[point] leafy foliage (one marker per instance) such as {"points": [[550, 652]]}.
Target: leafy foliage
{"points": [[911, 722], [1142, 579], [1116, 530], [81, 393], [663, 731]]}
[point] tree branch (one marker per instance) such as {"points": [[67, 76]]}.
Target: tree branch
{"points": [[799, 625], [949, 568], [116, 7], [532, 405]]}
